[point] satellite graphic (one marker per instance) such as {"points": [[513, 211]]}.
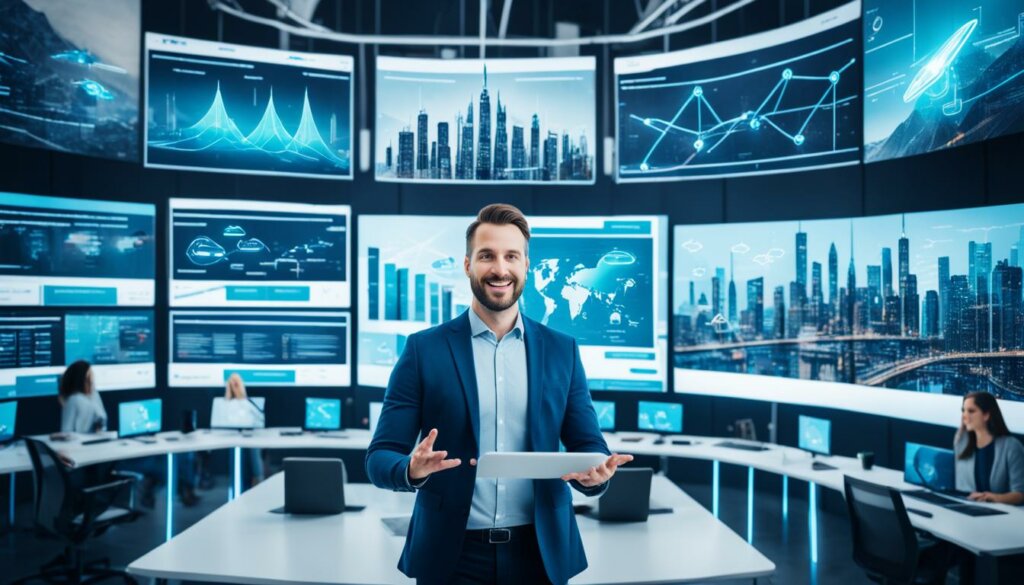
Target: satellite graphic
{"points": [[939, 75], [69, 76]]}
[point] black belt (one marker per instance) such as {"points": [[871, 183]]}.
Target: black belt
{"points": [[500, 535]]}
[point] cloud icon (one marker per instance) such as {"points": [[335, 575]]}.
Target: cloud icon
{"points": [[692, 246], [234, 231], [698, 272], [776, 253], [740, 248], [763, 259]]}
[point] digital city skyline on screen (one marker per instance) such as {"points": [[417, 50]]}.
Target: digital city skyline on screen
{"points": [[779, 101], [940, 74], [496, 120], [928, 302], [69, 76], [220, 107]]}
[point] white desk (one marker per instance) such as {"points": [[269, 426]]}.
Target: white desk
{"points": [[242, 542]]}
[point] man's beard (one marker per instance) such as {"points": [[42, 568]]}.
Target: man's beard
{"points": [[480, 292]]}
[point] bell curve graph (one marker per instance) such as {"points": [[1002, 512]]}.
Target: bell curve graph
{"points": [[774, 102]]}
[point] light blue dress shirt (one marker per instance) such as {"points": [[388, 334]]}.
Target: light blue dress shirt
{"points": [[501, 381]]}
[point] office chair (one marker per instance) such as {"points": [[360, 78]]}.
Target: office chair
{"points": [[74, 514], [885, 544]]}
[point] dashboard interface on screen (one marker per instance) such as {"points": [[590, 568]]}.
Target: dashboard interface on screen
{"points": [[36, 346], [779, 101], [927, 303], [938, 74], [266, 254], [265, 348], [69, 76], [142, 417], [494, 120], [219, 107], [323, 414], [663, 417], [75, 252]]}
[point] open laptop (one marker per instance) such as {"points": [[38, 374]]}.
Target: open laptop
{"points": [[628, 497], [238, 414], [140, 419], [934, 469]]}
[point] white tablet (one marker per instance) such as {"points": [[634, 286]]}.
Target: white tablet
{"points": [[536, 465]]}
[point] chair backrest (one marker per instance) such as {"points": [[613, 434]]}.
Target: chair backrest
{"points": [[884, 541], [53, 490]]}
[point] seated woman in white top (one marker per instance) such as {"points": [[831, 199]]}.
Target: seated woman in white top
{"points": [[989, 460], [234, 389], [82, 409]]}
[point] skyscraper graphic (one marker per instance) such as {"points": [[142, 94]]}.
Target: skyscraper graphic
{"points": [[518, 150], [483, 161], [444, 152], [943, 293], [733, 309], [500, 144], [887, 272], [405, 154], [422, 154], [535, 147], [833, 277], [550, 157], [467, 170], [801, 262]]}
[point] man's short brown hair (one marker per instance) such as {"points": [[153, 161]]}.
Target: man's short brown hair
{"points": [[498, 214]]}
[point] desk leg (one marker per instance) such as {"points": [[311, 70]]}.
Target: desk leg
{"points": [[986, 570], [171, 488], [238, 471], [750, 505], [714, 488]]}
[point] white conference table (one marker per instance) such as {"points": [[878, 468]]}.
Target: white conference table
{"points": [[243, 542]]}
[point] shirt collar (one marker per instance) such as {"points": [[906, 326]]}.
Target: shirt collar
{"points": [[478, 327]]}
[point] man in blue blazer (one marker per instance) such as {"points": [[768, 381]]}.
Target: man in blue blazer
{"points": [[489, 380]]}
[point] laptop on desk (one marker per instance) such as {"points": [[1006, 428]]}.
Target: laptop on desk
{"points": [[934, 470]]}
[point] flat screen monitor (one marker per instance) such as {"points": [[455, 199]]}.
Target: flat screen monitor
{"points": [[661, 417], [37, 345], [486, 120], [815, 435], [8, 418], [375, 410], [215, 106], [929, 467], [893, 315], [941, 76], [605, 410], [322, 414], [69, 76], [142, 417], [779, 101], [265, 348], [56, 251], [248, 413], [226, 253]]}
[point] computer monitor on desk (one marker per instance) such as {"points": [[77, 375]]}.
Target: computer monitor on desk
{"points": [[605, 410], [815, 437], [8, 416], [238, 414], [139, 418], [322, 414], [929, 467], [660, 417]]}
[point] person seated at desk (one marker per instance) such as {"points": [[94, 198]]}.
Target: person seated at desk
{"points": [[989, 460], [235, 390], [81, 407]]}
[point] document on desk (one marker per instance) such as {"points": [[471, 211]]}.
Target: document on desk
{"points": [[528, 465]]}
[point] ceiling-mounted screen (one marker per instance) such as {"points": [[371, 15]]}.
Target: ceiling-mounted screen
{"points": [[783, 100], [258, 254], [75, 252], [36, 346], [486, 121], [940, 74], [219, 107], [69, 76], [835, 312], [265, 348]]}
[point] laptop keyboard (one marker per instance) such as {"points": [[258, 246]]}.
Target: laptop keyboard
{"points": [[952, 504]]}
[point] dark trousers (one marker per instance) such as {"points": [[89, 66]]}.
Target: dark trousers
{"points": [[512, 563]]}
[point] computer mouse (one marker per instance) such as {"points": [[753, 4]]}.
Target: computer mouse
{"points": [[659, 441]]}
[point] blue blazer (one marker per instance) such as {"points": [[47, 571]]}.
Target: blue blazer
{"points": [[434, 386]]}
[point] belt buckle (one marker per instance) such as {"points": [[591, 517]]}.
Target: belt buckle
{"points": [[499, 536]]}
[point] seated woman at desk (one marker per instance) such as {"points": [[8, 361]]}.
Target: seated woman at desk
{"points": [[81, 407], [234, 389], [989, 460]]}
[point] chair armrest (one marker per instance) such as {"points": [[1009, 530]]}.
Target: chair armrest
{"points": [[132, 475], [96, 489]]}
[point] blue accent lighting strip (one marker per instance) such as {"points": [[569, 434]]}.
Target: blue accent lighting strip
{"points": [[45, 202], [170, 497], [714, 488], [812, 515], [238, 470], [785, 500], [750, 505], [610, 227]]}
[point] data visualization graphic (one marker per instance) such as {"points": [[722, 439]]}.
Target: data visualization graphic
{"points": [[940, 74], [778, 101], [219, 107], [476, 120], [923, 302], [75, 252], [69, 76], [266, 255]]}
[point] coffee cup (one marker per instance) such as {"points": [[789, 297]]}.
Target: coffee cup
{"points": [[867, 459]]}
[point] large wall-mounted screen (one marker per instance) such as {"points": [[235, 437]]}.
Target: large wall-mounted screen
{"points": [[779, 101], [75, 252], [603, 280], [260, 254], [940, 74], [836, 312], [220, 107], [36, 346], [265, 348], [69, 76], [486, 121]]}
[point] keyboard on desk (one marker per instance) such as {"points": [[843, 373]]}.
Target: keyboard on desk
{"points": [[98, 441], [932, 497], [952, 503], [741, 446]]}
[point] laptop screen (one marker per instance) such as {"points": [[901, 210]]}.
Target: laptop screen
{"points": [[929, 467], [238, 414], [8, 415], [323, 414], [815, 435], [143, 417]]}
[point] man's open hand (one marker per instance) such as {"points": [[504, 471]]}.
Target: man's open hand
{"points": [[425, 461], [600, 474]]}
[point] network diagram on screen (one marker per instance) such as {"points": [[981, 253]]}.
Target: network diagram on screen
{"points": [[215, 106], [940, 74], [69, 76], [270, 254], [779, 101]]}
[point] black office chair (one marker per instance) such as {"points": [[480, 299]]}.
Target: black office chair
{"points": [[885, 544], [75, 513]]}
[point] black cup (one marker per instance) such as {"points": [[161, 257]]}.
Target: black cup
{"points": [[188, 421], [867, 459]]}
